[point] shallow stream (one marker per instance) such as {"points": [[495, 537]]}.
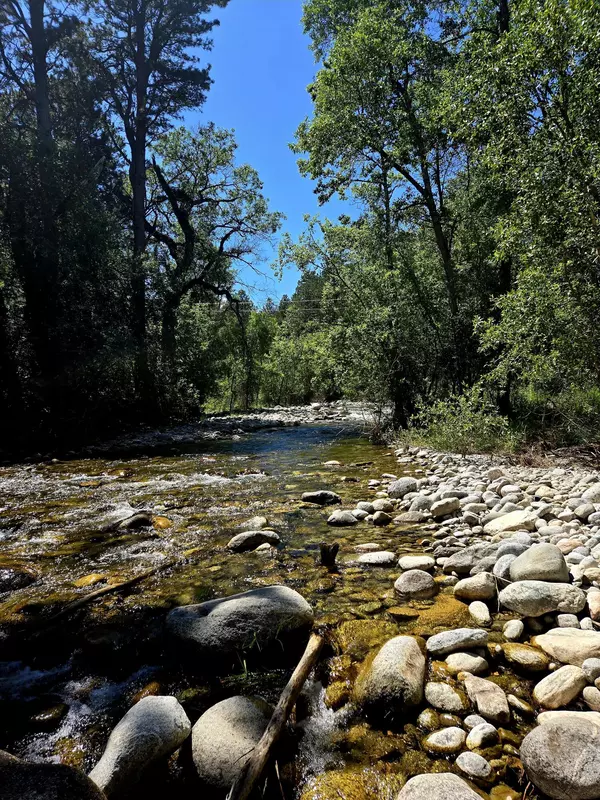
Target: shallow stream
{"points": [[63, 688]]}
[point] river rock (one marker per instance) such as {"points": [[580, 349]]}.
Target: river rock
{"points": [[474, 765], [21, 780], [12, 579], [255, 524], [558, 688], [513, 630], [250, 540], [443, 508], [225, 736], [425, 563], [546, 717], [381, 519], [466, 662], [381, 558], [535, 598], [591, 668], [530, 659], [444, 697], [229, 624], [442, 644], [153, 728], [382, 504], [322, 498], [569, 645], [445, 742], [394, 680], [342, 519], [592, 494], [402, 487], [542, 562], [488, 698], [480, 613], [513, 521], [562, 759], [478, 587], [440, 786], [483, 735], [409, 517], [591, 697], [415, 584]]}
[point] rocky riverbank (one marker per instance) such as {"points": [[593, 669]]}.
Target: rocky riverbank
{"points": [[463, 622]]}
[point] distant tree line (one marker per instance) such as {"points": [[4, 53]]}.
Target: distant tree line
{"points": [[467, 281]]}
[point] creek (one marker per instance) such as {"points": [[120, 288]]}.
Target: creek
{"points": [[62, 690]]}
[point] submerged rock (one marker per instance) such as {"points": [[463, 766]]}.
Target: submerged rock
{"points": [[151, 729], [394, 679], [250, 540], [322, 498], [225, 736], [342, 519], [238, 622], [21, 780], [562, 759]]}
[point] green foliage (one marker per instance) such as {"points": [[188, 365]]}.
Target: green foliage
{"points": [[466, 423]]}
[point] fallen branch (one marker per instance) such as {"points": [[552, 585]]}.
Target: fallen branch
{"points": [[255, 765]]}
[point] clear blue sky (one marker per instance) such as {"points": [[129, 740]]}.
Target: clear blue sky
{"points": [[261, 66]]}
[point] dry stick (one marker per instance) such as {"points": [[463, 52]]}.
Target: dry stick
{"points": [[113, 587], [255, 765]]}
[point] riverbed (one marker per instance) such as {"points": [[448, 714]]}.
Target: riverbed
{"points": [[63, 687]]}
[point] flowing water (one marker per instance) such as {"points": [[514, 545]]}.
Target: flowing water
{"points": [[62, 688]]}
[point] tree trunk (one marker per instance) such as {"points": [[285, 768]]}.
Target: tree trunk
{"points": [[503, 17], [137, 174]]}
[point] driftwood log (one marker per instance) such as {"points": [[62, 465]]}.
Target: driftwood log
{"points": [[257, 762]]}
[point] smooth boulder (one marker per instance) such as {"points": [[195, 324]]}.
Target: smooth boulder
{"points": [[229, 624], [541, 562], [323, 497], [535, 598], [394, 679], [415, 584], [477, 587], [401, 487], [488, 698], [225, 736], [440, 786], [442, 644], [513, 521], [562, 759], [152, 729], [570, 645], [560, 687]]}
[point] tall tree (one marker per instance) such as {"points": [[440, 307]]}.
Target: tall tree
{"points": [[145, 52]]}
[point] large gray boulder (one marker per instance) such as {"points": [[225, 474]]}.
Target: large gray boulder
{"points": [[225, 736], [342, 519], [21, 780], [394, 680], [592, 494], [570, 645], [250, 540], [439, 786], [535, 598], [153, 728], [220, 627], [542, 562], [401, 487], [441, 644], [562, 759], [442, 508]]}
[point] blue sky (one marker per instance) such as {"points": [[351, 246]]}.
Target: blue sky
{"points": [[261, 66]]}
